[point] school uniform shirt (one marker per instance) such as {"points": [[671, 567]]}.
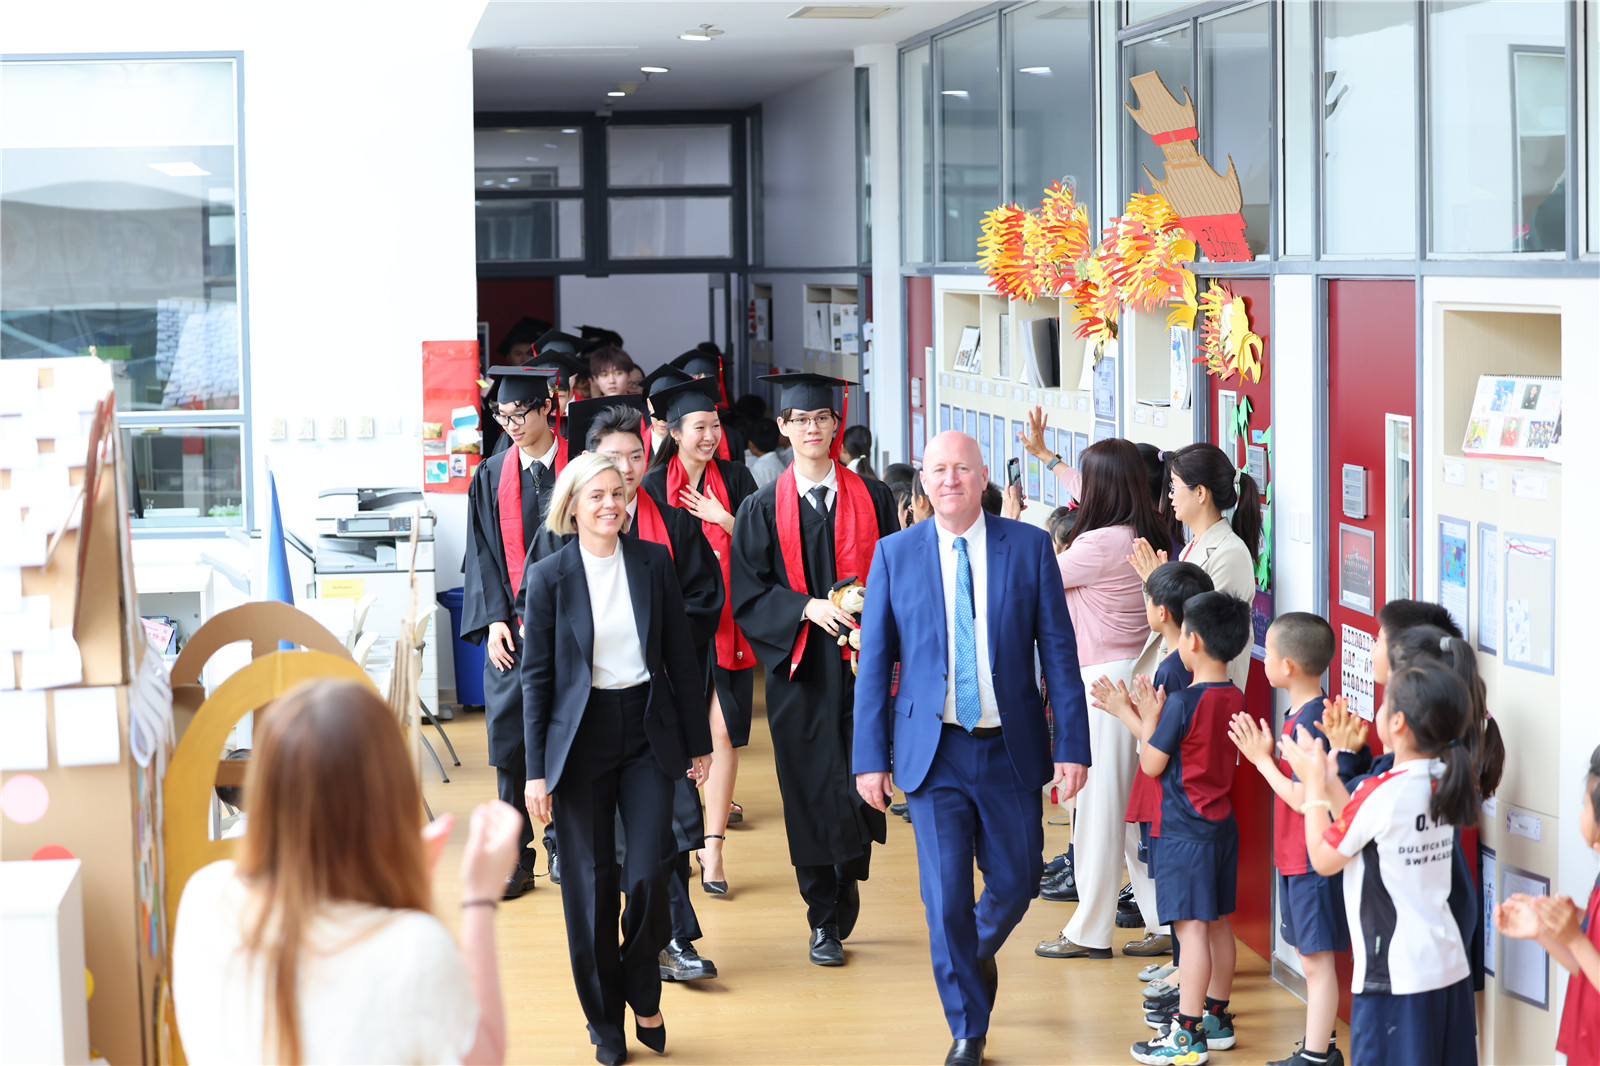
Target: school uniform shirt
{"points": [[1289, 854], [1144, 799], [1193, 732], [1579, 1036], [1397, 898]]}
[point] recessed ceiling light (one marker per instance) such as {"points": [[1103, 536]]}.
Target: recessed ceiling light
{"points": [[616, 92], [653, 70], [1034, 70], [489, 182], [572, 130], [953, 92], [704, 33], [185, 169], [512, 181]]}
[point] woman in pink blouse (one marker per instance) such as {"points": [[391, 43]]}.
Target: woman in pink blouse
{"points": [[1106, 599]]}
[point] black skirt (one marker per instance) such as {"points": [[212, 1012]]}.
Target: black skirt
{"points": [[736, 693]]}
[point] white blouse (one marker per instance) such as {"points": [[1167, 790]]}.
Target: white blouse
{"points": [[617, 660]]}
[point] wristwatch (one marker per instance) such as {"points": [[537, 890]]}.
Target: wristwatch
{"points": [[1051, 465]]}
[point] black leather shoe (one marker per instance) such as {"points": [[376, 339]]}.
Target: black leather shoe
{"points": [[849, 907], [898, 809], [1128, 913], [520, 881], [1063, 889], [991, 980], [965, 1052], [1056, 865], [610, 1056], [680, 962], [826, 950], [1062, 948], [555, 863]]}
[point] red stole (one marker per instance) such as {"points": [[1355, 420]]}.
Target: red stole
{"points": [[508, 494], [855, 535], [647, 521], [561, 456], [722, 442], [733, 651]]}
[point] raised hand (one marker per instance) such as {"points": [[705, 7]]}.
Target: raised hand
{"points": [[1033, 438], [1145, 559]]}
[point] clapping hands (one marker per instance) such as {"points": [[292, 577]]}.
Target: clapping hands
{"points": [[1344, 728]]}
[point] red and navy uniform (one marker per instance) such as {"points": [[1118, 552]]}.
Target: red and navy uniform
{"points": [[1310, 906], [1144, 799], [1579, 1035], [1196, 877]]}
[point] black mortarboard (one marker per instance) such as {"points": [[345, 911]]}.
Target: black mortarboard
{"points": [[697, 363], [556, 341], [683, 398], [663, 377], [522, 384], [600, 333], [526, 331], [565, 365], [581, 414], [806, 392]]}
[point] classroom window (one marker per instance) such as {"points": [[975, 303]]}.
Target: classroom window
{"points": [[1051, 125], [1497, 126], [1143, 10], [916, 153], [529, 229], [648, 156], [1369, 129], [1299, 105], [119, 199], [680, 227], [969, 136], [1235, 111], [516, 160], [185, 476], [1167, 55]]}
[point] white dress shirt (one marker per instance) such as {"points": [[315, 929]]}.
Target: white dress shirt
{"points": [[805, 485], [548, 458], [617, 660], [978, 560]]}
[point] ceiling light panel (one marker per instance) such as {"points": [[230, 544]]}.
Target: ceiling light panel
{"points": [[843, 11], [576, 51]]}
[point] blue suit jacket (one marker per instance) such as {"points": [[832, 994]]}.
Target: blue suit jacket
{"points": [[904, 621]]}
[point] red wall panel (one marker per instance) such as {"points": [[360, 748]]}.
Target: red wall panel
{"points": [[502, 302]]}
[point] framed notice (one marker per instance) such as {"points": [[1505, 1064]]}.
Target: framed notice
{"points": [[944, 418], [1524, 966], [968, 358], [1530, 599], [1356, 679], [919, 434], [1489, 611], [1357, 564], [1455, 568], [984, 443]]}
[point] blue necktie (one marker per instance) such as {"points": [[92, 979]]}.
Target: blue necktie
{"points": [[968, 707]]}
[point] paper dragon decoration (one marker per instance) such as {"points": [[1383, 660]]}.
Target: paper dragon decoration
{"points": [[1226, 344]]}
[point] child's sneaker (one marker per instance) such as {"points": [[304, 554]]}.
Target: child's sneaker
{"points": [[1160, 1019], [1160, 989], [1218, 1030], [1299, 1058], [1167, 1000], [1157, 971], [1177, 1046]]}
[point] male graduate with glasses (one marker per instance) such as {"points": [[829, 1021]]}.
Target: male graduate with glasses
{"points": [[795, 539], [506, 502]]}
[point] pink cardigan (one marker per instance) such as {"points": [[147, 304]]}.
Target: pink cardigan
{"points": [[1104, 596]]}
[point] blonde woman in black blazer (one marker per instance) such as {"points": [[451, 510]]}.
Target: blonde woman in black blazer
{"points": [[613, 712]]}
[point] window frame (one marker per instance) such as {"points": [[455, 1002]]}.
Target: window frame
{"points": [[239, 417]]}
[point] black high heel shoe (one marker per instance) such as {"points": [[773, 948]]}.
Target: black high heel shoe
{"points": [[715, 888], [655, 1039]]}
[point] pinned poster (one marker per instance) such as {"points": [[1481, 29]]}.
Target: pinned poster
{"points": [[24, 739], [1530, 599], [1357, 683], [1489, 611], [1454, 568], [450, 406]]}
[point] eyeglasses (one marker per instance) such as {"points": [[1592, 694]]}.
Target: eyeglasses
{"points": [[513, 419], [807, 421]]}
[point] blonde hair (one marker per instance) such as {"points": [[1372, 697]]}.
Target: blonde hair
{"points": [[562, 518], [335, 814]]}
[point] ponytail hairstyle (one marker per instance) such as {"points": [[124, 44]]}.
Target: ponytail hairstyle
{"points": [[1419, 643], [1155, 464], [1438, 712], [1233, 491]]}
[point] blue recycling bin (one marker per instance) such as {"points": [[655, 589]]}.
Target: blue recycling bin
{"points": [[468, 656]]}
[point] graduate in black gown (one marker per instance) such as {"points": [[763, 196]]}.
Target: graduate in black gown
{"points": [[705, 361], [687, 472], [816, 525], [610, 425], [505, 508]]}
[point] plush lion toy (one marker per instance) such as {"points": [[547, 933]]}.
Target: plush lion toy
{"points": [[850, 596]]}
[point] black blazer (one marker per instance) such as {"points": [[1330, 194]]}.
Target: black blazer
{"points": [[558, 633]]}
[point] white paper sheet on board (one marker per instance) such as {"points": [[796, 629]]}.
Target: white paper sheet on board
{"points": [[87, 731], [24, 738]]}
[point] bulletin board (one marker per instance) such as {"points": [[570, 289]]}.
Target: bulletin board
{"points": [[452, 435], [1530, 599]]}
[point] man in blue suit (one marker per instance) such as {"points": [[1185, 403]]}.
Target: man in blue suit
{"points": [[965, 731]]}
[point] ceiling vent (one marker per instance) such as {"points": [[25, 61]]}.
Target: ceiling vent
{"points": [[843, 11], [575, 51]]}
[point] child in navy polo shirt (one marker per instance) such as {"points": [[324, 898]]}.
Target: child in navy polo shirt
{"points": [[1299, 648], [1186, 748]]}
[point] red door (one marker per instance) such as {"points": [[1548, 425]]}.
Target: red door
{"points": [[919, 338], [1251, 795], [503, 302], [1372, 384]]}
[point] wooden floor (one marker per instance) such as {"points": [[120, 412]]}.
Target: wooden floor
{"points": [[770, 1005]]}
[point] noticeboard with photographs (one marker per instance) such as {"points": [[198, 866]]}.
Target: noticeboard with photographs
{"points": [[1515, 417]]}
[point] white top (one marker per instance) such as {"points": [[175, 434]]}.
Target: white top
{"points": [[618, 659], [1225, 559], [548, 458], [978, 559], [1397, 892], [376, 985], [830, 482]]}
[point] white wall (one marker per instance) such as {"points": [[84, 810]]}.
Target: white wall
{"points": [[358, 214], [809, 173], [660, 316], [886, 377]]}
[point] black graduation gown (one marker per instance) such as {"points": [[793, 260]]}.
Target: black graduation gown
{"points": [[811, 716], [741, 485], [700, 580], [488, 597]]}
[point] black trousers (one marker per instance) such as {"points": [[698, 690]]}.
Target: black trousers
{"points": [[685, 924], [824, 888], [612, 771], [512, 785]]}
